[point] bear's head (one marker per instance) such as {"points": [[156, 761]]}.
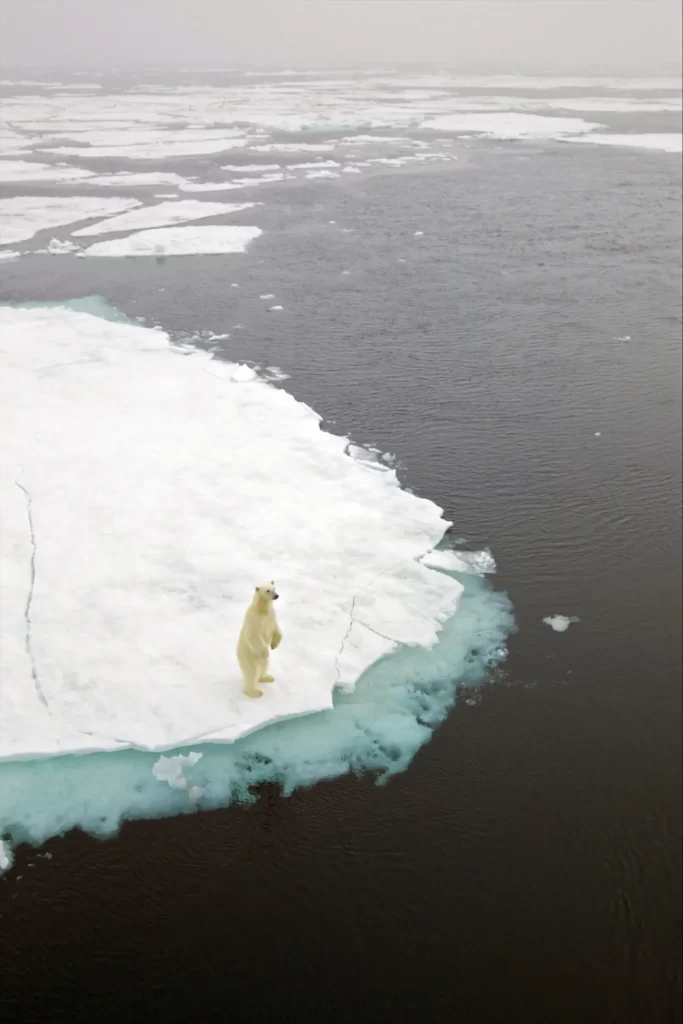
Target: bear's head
{"points": [[267, 592]]}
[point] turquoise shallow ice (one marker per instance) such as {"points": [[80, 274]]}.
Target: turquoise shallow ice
{"points": [[120, 697]]}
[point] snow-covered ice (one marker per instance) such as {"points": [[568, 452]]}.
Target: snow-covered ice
{"points": [[9, 254], [511, 126], [21, 217], [158, 487], [162, 214], [666, 142], [25, 170], [144, 489], [178, 241], [560, 623]]}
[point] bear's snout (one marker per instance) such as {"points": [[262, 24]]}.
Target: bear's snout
{"points": [[275, 596]]}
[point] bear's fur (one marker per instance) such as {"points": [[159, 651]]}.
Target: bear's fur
{"points": [[258, 635]]}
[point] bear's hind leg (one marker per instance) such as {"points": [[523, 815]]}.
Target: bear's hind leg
{"points": [[264, 676], [250, 681]]}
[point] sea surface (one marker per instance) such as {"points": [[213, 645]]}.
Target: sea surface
{"points": [[521, 357]]}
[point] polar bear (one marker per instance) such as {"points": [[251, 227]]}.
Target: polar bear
{"points": [[258, 635]]}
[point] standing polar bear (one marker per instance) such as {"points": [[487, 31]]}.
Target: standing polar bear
{"points": [[259, 634]]}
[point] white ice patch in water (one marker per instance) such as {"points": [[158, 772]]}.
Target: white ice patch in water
{"points": [[162, 214], [21, 217], [158, 150], [178, 241], [666, 142], [57, 248], [132, 605], [131, 534], [560, 623], [24, 171], [511, 126], [9, 254], [321, 174], [250, 168]]}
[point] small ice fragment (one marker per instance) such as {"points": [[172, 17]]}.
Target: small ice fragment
{"points": [[597, 434], [560, 623], [276, 307], [266, 296], [332, 222], [418, 234], [624, 337], [234, 285], [346, 271]]}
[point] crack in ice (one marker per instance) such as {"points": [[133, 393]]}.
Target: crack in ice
{"points": [[29, 599]]}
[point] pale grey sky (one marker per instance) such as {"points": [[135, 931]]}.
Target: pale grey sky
{"points": [[596, 36]]}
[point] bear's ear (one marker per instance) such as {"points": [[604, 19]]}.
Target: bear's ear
{"points": [[272, 583], [258, 590]]}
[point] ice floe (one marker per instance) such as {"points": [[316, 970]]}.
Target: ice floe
{"points": [[177, 212], [667, 142], [21, 217], [178, 241]]}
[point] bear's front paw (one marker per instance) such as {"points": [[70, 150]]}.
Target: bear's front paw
{"points": [[249, 692], [266, 679]]}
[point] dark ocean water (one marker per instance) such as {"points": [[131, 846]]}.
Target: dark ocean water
{"points": [[527, 865]]}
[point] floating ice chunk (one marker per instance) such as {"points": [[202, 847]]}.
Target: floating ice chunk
{"points": [[667, 142], [313, 166], [25, 171], [21, 217], [560, 623], [162, 214], [58, 248], [266, 296], [178, 241], [624, 337], [294, 147], [276, 308], [166, 195], [511, 126], [418, 234], [156, 150], [234, 285], [321, 174], [131, 421], [250, 168], [209, 186], [134, 180], [350, 169], [171, 769], [9, 254], [597, 434]]}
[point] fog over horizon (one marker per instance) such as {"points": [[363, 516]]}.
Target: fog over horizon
{"points": [[609, 37]]}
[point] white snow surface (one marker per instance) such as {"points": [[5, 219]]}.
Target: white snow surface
{"points": [[511, 126], [667, 142], [145, 490], [21, 217], [162, 214], [25, 170], [178, 241]]}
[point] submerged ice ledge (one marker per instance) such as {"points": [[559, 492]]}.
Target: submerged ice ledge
{"points": [[162, 484]]}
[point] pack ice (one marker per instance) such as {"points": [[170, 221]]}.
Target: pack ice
{"points": [[145, 490]]}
